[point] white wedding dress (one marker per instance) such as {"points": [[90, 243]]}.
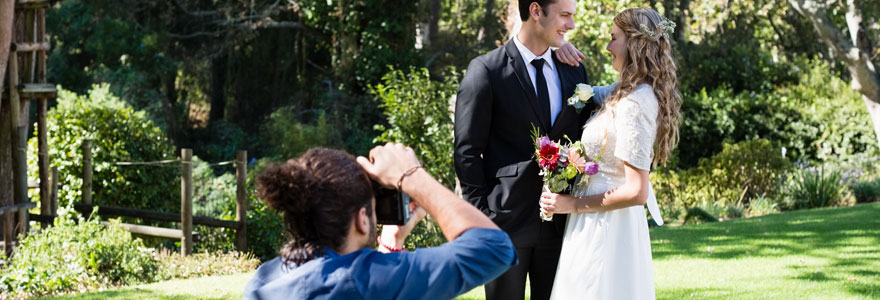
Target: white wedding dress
{"points": [[607, 255]]}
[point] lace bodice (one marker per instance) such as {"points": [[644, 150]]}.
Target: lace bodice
{"points": [[631, 127]]}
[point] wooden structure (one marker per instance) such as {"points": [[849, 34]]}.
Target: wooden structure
{"points": [[186, 218], [26, 82]]}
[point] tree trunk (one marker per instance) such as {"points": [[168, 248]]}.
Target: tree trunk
{"points": [[7, 9], [433, 21], [218, 87], [874, 111], [854, 50]]}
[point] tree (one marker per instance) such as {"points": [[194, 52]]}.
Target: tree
{"points": [[855, 50]]}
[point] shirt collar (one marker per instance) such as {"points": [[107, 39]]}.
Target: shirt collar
{"points": [[528, 56]]}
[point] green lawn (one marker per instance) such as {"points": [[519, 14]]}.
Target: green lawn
{"points": [[831, 253]]}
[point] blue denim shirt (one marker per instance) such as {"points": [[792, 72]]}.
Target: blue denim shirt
{"points": [[474, 258]]}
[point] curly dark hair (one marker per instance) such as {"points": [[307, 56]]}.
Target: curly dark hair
{"points": [[318, 194]]}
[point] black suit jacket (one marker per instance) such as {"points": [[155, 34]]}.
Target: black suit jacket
{"points": [[494, 152]]}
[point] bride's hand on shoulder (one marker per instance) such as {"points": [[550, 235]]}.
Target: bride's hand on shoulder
{"points": [[557, 203], [568, 54]]}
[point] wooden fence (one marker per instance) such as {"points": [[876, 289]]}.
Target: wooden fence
{"points": [[186, 218], [49, 206]]}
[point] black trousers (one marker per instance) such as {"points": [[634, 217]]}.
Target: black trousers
{"points": [[539, 262]]}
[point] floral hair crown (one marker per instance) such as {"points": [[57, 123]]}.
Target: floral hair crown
{"points": [[666, 28]]}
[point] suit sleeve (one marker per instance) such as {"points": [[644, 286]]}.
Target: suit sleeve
{"points": [[473, 118]]}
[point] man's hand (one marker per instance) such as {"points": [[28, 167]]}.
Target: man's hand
{"points": [[568, 54], [387, 163]]}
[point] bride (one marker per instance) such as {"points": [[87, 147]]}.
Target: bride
{"points": [[606, 251]]}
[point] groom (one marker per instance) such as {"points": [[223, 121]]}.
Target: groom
{"points": [[503, 94]]}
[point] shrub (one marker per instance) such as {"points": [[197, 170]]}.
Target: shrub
{"points": [[867, 191], [76, 256], [288, 136], [817, 187], [819, 118], [763, 206], [419, 116], [119, 133], [741, 172], [174, 266]]}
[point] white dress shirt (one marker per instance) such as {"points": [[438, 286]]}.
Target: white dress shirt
{"points": [[550, 75]]}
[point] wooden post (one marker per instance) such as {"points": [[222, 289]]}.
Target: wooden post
{"points": [[186, 191], [241, 198], [54, 197], [19, 156], [87, 172], [43, 156], [8, 233], [23, 221]]}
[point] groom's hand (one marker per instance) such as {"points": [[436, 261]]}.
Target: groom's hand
{"points": [[568, 54]]}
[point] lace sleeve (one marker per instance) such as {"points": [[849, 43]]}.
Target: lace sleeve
{"points": [[636, 128]]}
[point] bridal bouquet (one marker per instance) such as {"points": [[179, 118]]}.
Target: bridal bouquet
{"points": [[561, 163]]}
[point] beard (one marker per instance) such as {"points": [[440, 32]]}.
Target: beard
{"points": [[373, 236]]}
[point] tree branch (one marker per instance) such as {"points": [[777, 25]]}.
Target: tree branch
{"points": [[864, 74]]}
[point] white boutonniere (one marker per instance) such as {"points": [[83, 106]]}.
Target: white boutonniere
{"points": [[582, 94]]}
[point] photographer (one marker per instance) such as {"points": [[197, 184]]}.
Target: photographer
{"points": [[326, 198]]}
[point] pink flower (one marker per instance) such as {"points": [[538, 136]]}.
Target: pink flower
{"points": [[591, 168], [575, 158]]}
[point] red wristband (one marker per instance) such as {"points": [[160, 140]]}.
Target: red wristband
{"points": [[392, 249]]}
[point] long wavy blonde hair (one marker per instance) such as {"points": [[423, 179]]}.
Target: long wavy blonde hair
{"points": [[648, 60]]}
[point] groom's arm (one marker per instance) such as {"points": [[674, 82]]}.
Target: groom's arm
{"points": [[473, 117]]}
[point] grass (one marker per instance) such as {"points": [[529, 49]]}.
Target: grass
{"points": [[213, 287], [830, 253]]}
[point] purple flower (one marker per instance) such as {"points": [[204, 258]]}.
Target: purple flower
{"points": [[543, 141], [592, 168]]}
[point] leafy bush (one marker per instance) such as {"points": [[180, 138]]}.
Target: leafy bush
{"points": [[763, 206], [287, 136], [419, 116], [817, 187], [819, 118], [174, 266], [119, 133], [867, 191], [75, 256]]}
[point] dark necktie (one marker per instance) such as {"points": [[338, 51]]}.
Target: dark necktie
{"points": [[541, 87]]}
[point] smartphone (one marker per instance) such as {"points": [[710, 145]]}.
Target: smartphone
{"points": [[392, 206]]}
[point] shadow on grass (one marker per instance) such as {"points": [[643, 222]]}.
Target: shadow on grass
{"points": [[792, 233], [845, 238]]}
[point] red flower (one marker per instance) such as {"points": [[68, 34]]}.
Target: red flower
{"points": [[549, 155]]}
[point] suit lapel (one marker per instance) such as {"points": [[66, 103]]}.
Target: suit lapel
{"points": [[522, 75], [565, 91]]}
